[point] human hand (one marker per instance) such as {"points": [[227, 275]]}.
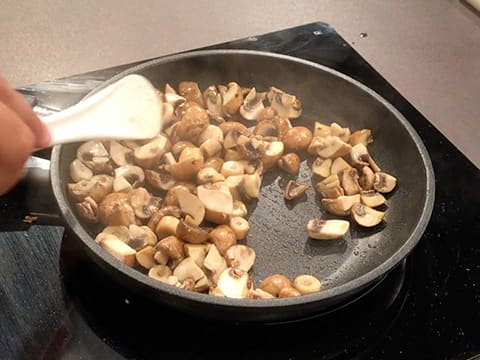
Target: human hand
{"points": [[20, 133]]}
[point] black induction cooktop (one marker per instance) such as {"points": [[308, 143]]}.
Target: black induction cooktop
{"points": [[55, 305]]}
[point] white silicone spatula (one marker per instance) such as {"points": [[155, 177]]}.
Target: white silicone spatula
{"points": [[127, 109]]}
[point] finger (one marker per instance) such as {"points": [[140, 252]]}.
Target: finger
{"points": [[17, 141], [17, 103]]}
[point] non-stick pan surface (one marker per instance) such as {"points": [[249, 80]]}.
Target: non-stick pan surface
{"points": [[278, 234]]}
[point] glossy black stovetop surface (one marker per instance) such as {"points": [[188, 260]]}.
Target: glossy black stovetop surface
{"points": [[54, 305]]}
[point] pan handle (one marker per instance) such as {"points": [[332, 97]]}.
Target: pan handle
{"points": [[32, 200]]}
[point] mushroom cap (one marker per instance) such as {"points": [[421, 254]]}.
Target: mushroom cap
{"points": [[366, 216], [234, 283], [115, 209]]}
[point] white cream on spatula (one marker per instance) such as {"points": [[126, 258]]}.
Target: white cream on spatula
{"points": [[128, 109]]}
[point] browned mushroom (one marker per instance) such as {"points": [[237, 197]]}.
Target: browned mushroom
{"points": [[366, 216], [327, 229], [115, 209], [294, 189], [223, 237], [191, 233], [96, 188], [341, 205], [290, 163], [190, 91]]}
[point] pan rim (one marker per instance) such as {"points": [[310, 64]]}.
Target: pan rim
{"points": [[351, 286]]}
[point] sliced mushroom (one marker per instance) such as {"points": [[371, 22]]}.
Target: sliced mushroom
{"points": [[121, 155], [266, 128], [294, 189], [168, 114], [230, 168], [342, 133], [240, 227], [234, 283], [202, 284], [191, 160], [191, 205], [159, 180], [241, 257], [268, 112], [143, 203], [145, 257], [251, 186], [120, 232], [211, 148], [338, 165], [190, 91], [366, 216], [239, 209], [132, 173], [223, 237], [197, 252], [95, 156], [79, 171], [234, 184], [252, 105], [149, 154], [178, 147], [218, 201], [228, 126], [96, 188], [331, 147], [171, 246], [120, 184], [372, 199], [341, 205], [209, 175], [272, 152], [115, 209], [171, 196], [321, 167], [214, 263], [161, 256], [212, 132], [193, 122], [191, 233], [213, 103], [289, 292], [290, 163], [297, 139], [360, 157], [160, 272], [140, 236], [367, 178], [187, 268], [384, 182], [330, 187], [363, 137], [251, 150], [88, 210], [232, 99], [283, 125], [167, 225], [327, 229], [349, 181], [284, 104], [214, 162], [321, 130], [259, 294], [117, 248]]}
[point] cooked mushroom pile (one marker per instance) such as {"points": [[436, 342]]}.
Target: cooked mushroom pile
{"points": [[175, 206]]}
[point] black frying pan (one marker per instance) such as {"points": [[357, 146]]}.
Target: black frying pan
{"points": [[278, 229]]}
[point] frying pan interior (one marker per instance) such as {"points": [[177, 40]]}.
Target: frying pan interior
{"points": [[278, 228]]}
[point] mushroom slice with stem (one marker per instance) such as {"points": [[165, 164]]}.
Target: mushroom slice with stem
{"points": [[159, 180], [331, 147], [366, 216], [115, 209], [172, 246], [384, 182], [94, 155], [321, 167], [327, 229], [232, 99], [191, 233], [349, 181], [367, 178], [121, 155], [79, 171], [338, 165], [213, 103], [147, 155], [330, 187], [160, 273], [187, 268], [252, 105], [145, 257], [294, 189], [360, 157], [117, 248], [341, 205], [96, 188], [211, 132], [266, 128], [240, 256], [214, 263], [88, 210], [284, 104], [371, 198], [143, 203], [341, 132], [140, 236], [234, 283], [363, 136], [191, 205], [132, 173], [290, 163]]}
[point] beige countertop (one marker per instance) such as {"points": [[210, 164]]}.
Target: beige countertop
{"points": [[429, 50]]}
